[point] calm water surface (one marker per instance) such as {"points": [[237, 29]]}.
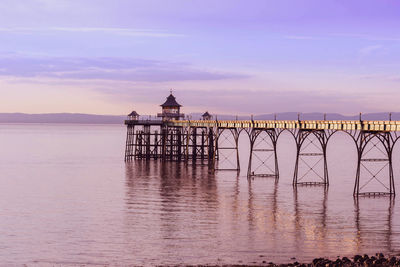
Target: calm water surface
{"points": [[67, 198]]}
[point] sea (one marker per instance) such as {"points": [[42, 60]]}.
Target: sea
{"points": [[67, 198]]}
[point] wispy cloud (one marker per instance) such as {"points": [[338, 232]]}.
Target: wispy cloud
{"points": [[106, 68], [343, 35], [370, 49], [367, 37], [104, 30], [303, 37], [381, 77]]}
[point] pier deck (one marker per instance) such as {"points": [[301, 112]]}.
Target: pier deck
{"points": [[295, 124]]}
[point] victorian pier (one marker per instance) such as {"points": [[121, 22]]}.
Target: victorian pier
{"points": [[211, 141]]}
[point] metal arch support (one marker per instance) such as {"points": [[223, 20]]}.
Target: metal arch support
{"points": [[364, 162], [231, 146], [301, 136], [263, 154]]}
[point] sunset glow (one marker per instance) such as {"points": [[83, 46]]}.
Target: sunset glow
{"points": [[107, 57]]}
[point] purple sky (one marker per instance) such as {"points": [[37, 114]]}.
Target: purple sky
{"points": [[241, 57]]}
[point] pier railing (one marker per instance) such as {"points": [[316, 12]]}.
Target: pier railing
{"points": [[294, 124], [144, 122]]}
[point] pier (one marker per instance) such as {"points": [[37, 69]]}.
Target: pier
{"points": [[206, 141]]}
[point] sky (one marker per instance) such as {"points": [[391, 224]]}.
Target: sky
{"points": [[225, 56]]}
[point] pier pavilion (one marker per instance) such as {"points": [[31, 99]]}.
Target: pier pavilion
{"points": [[171, 110], [172, 138]]}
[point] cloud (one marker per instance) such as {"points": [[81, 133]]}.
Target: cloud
{"points": [[370, 49], [369, 37], [270, 100], [104, 30], [302, 37], [381, 77], [106, 68], [342, 35], [223, 99], [394, 38]]}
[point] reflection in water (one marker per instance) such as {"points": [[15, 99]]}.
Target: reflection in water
{"points": [[271, 210], [250, 207], [176, 199], [380, 224], [183, 213], [266, 215], [310, 227]]}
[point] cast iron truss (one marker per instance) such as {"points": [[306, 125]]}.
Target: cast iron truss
{"points": [[263, 160]]}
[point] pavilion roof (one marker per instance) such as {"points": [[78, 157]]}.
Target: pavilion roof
{"points": [[171, 102], [133, 113]]}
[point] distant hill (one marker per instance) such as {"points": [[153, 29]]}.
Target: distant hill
{"points": [[79, 118], [61, 118]]}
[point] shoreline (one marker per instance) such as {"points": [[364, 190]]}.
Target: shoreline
{"points": [[378, 259]]}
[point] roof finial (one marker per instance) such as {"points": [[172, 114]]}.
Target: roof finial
{"points": [[170, 90]]}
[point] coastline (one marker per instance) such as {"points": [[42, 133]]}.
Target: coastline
{"points": [[378, 259]]}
